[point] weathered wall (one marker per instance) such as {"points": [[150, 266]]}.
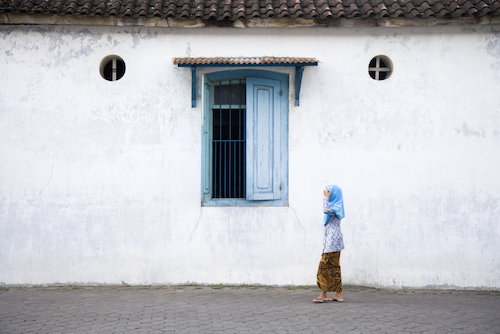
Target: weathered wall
{"points": [[100, 181]]}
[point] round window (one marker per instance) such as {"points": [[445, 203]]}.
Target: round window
{"points": [[112, 68], [380, 68]]}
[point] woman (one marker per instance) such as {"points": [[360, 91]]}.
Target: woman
{"points": [[329, 278]]}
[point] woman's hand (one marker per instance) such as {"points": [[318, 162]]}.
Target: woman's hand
{"points": [[327, 193]]}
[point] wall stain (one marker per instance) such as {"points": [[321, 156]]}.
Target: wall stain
{"points": [[469, 132]]}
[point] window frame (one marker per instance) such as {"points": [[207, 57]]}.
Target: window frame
{"points": [[112, 61], [378, 69], [206, 128]]}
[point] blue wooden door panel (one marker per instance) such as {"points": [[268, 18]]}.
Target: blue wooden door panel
{"points": [[263, 139], [206, 138]]}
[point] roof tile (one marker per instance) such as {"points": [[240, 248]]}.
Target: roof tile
{"points": [[243, 61], [230, 10]]}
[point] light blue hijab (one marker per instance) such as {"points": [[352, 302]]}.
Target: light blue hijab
{"points": [[336, 202]]}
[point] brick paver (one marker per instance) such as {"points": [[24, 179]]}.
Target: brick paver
{"points": [[215, 309]]}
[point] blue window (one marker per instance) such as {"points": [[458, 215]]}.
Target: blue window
{"points": [[245, 138]]}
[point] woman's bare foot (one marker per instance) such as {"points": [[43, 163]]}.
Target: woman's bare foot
{"points": [[338, 297], [322, 298]]}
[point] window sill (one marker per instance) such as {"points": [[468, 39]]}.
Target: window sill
{"points": [[243, 203]]}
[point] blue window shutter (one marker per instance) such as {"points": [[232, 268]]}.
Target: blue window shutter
{"points": [[263, 139], [206, 138]]}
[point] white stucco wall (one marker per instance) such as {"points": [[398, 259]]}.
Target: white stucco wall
{"points": [[100, 181]]}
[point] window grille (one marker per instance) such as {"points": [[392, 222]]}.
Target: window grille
{"points": [[112, 68], [380, 68], [228, 144]]}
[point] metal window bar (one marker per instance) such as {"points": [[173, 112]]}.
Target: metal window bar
{"points": [[228, 175], [379, 69]]}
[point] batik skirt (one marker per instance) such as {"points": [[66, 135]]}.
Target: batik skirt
{"points": [[329, 278]]}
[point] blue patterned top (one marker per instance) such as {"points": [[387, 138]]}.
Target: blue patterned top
{"points": [[334, 241]]}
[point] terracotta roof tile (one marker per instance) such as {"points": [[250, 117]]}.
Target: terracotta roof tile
{"points": [[243, 61], [230, 10]]}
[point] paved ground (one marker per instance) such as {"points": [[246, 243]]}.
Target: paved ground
{"points": [[216, 309]]}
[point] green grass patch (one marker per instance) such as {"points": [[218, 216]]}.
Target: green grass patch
{"points": [[216, 286]]}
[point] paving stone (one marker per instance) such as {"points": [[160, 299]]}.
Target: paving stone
{"points": [[204, 310]]}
